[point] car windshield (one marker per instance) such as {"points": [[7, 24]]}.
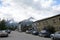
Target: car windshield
{"points": [[57, 33], [0, 31]]}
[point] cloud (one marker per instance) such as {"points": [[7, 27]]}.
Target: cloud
{"points": [[23, 9]]}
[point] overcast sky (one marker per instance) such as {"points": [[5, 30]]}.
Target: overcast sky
{"points": [[23, 9]]}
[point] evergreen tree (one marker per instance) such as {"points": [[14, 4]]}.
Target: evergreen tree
{"points": [[2, 25]]}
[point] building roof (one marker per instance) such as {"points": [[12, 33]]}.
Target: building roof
{"points": [[47, 18]]}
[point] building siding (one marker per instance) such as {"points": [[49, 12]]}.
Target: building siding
{"points": [[52, 21]]}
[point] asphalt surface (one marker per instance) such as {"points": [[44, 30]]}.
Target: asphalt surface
{"points": [[22, 36]]}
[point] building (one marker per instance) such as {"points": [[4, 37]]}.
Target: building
{"points": [[19, 27], [52, 21], [24, 25]]}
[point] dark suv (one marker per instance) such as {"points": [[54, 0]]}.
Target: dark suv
{"points": [[44, 33]]}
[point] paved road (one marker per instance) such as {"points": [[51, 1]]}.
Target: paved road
{"points": [[23, 36]]}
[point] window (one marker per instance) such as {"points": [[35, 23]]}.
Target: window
{"points": [[45, 22], [59, 18], [37, 23], [54, 21]]}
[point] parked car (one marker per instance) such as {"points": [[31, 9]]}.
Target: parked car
{"points": [[35, 32], [3, 33], [44, 33], [51, 35], [56, 36], [28, 31], [8, 31]]}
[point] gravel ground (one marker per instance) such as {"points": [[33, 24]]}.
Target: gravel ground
{"points": [[22, 36]]}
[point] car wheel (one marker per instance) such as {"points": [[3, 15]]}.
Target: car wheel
{"points": [[6, 35], [52, 38]]}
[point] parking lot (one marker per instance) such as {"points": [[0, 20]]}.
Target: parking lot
{"points": [[22, 36]]}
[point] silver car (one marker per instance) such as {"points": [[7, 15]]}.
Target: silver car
{"points": [[56, 36], [3, 33]]}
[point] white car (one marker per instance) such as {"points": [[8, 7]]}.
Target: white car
{"points": [[55, 36], [3, 33]]}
